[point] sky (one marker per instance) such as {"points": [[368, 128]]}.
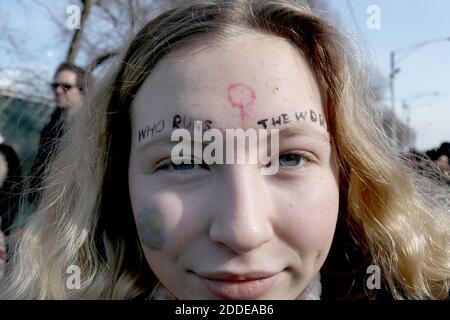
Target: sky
{"points": [[402, 23], [423, 72]]}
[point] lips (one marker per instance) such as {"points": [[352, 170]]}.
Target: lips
{"points": [[231, 286]]}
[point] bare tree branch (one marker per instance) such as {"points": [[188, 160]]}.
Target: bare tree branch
{"points": [[108, 12], [100, 60], [77, 37], [131, 14], [51, 14]]}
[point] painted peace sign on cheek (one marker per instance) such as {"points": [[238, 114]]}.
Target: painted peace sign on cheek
{"points": [[150, 225]]}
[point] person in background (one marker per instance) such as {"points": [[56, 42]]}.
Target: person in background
{"points": [[10, 190], [69, 86], [414, 158], [443, 159], [10, 185]]}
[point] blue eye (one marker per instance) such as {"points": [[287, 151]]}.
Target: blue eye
{"points": [[167, 164], [291, 159], [183, 166]]}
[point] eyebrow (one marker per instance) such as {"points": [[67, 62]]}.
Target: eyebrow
{"points": [[305, 130], [160, 141], [287, 131]]}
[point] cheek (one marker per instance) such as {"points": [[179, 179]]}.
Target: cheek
{"points": [[168, 222], [73, 98], [152, 229], [309, 216], [70, 95], [156, 216]]}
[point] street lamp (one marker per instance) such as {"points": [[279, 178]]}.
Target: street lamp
{"points": [[394, 69], [407, 106], [406, 103]]}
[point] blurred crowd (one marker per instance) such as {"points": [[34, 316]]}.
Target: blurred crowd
{"points": [[438, 157], [19, 191]]}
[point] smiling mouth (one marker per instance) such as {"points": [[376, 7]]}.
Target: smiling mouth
{"points": [[229, 286]]}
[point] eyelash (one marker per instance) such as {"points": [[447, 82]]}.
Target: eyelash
{"points": [[167, 164], [305, 156]]}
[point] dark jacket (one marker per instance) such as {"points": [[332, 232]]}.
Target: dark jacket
{"points": [[344, 274], [50, 138]]}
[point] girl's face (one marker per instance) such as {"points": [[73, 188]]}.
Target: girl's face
{"points": [[227, 231]]}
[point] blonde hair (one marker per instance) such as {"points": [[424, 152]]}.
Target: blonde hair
{"points": [[85, 217]]}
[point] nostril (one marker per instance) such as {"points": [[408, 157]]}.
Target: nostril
{"points": [[240, 237]]}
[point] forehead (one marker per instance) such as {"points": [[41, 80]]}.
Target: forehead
{"points": [[66, 76], [263, 75]]}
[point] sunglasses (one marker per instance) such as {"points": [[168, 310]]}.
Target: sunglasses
{"points": [[65, 86]]}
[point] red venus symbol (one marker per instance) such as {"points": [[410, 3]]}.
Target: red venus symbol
{"points": [[241, 96]]}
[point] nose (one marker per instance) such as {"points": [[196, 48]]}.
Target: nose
{"points": [[243, 220], [59, 90]]}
